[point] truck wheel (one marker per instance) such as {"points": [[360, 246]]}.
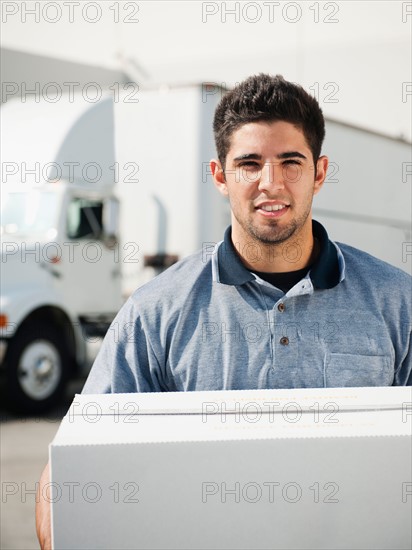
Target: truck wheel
{"points": [[37, 369]]}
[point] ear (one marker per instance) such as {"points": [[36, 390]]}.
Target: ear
{"points": [[321, 170], [218, 176]]}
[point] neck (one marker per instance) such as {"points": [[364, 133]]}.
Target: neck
{"points": [[297, 252]]}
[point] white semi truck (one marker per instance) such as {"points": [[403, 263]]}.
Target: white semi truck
{"points": [[83, 226], [97, 198]]}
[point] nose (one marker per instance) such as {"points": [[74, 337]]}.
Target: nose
{"points": [[271, 177]]}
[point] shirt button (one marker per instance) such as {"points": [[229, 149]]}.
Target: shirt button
{"points": [[281, 307], [284, 340]]}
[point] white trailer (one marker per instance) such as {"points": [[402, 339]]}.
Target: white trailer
{"points": [[366, 200], [170, 207]]}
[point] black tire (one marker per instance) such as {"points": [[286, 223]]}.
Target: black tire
{"points": [[37, 369]]}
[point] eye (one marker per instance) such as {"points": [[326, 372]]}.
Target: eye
{"points": [[292, 161]]}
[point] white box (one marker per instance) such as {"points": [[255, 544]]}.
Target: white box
{"points": [[281, 469]]}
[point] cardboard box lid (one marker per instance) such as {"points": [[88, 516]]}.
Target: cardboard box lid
{"points": [[215, 402], [236, 415]]}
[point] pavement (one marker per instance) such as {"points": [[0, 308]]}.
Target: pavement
{"points": [[24, 453]]}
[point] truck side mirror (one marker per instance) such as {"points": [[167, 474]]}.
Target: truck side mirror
{"points": [[110, 222]]}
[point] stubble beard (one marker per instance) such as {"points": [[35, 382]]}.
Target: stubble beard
{"points": [[272, 234]]}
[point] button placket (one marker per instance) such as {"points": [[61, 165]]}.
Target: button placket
{"points": [[284, 340]]}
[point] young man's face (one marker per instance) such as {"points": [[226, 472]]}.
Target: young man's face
{"points": [[270, 180]]}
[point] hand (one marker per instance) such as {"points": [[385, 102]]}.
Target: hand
{"points": [[43, 517]]}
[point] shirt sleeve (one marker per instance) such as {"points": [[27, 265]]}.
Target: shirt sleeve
{"points": [[126, 362], [403, 374]]}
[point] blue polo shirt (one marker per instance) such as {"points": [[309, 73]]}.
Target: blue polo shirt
{"points": [[208, 323]]}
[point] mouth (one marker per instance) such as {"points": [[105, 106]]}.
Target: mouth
{"points": [[272, 210]]}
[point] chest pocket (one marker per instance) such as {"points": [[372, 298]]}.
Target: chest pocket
{"points": [[350, 370]]}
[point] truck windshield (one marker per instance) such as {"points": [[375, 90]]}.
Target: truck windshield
{"points": [[31, 213]]}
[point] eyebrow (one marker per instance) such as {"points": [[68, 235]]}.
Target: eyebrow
{"points": [[254, 156], [291, 154]]}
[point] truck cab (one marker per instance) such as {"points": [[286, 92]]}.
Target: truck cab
{"points": [[60, 270], [60, 287]]}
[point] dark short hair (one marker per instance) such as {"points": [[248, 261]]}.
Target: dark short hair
{"points": [[268, 98]]}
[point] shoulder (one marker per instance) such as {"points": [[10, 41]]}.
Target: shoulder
{"points": [[175, 284], [369, 267]]}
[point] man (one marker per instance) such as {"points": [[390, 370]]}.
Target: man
{"points": [[276, 304]]}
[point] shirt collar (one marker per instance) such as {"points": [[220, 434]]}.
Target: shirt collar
{"points": [[326, 272]]}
